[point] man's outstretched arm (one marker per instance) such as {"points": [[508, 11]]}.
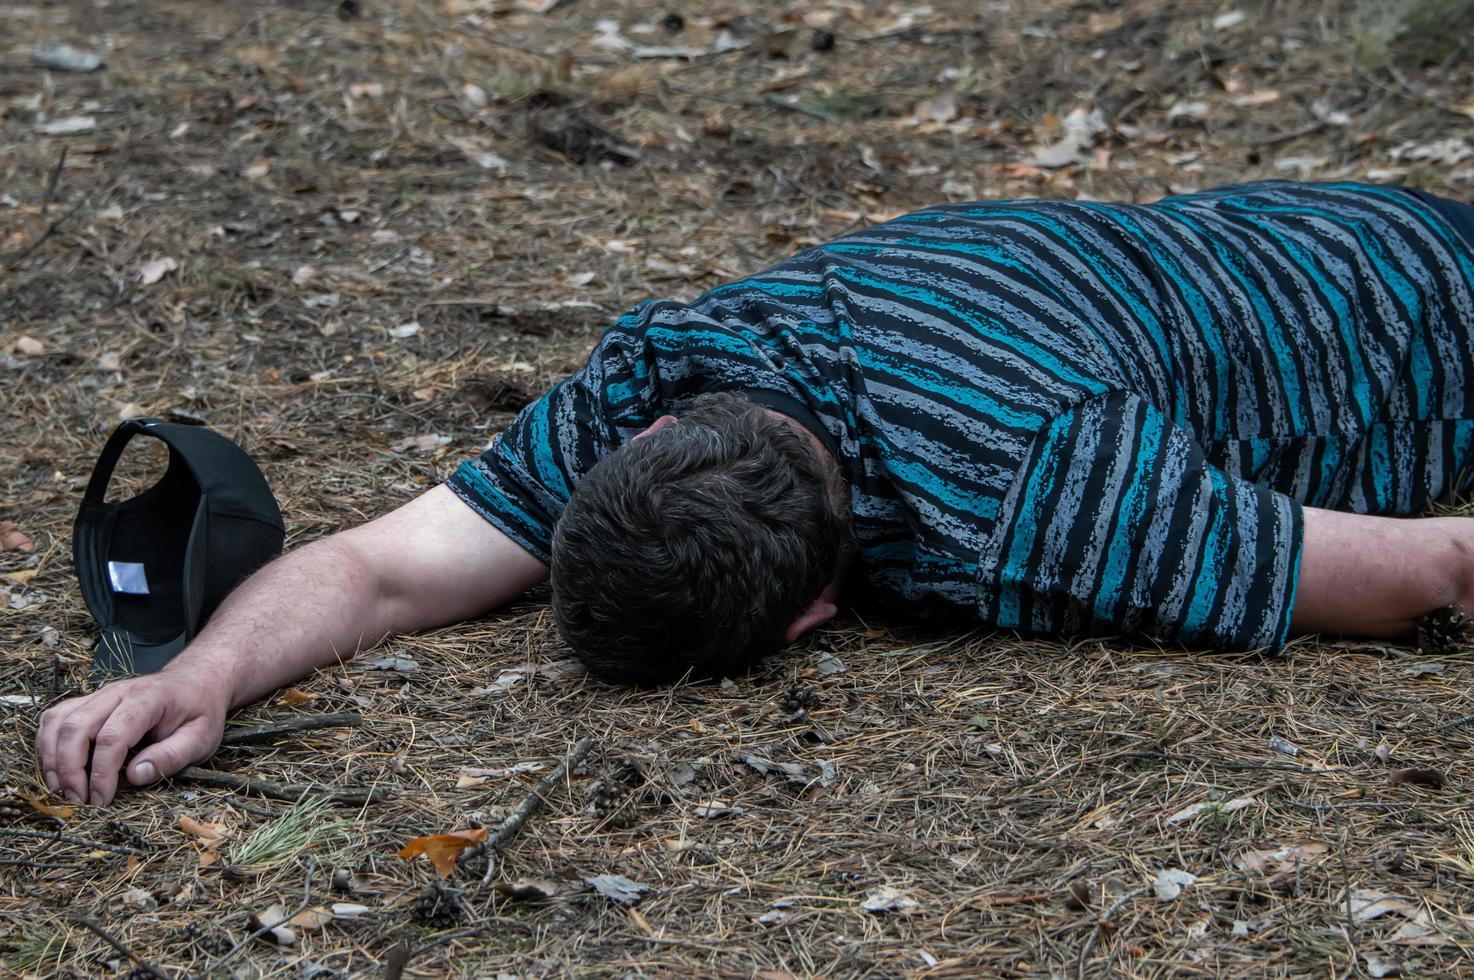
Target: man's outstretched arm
{"points": [[1375, 576], [431, 562]]}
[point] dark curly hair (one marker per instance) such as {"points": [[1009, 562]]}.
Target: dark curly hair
{"points": [[690, 551]]}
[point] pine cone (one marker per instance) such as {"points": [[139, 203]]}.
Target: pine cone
{"points": [[1443, 631], [611, 804], [204, 939], [799, 699], [438, 907], [119, 832]]}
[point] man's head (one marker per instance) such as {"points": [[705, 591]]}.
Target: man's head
{"points": [[702, 545]]}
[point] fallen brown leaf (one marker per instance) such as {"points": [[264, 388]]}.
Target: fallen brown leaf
{"points": [[443, 849], [202, 829], [1288, 857], [61, 811], [12, 538], [1081, 896], [23, 576], [294, 696], [1418, 777], [311, 919]]}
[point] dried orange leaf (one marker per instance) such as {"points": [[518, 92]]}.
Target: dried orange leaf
{"points": [[203, 829], [61, 811], [12, 538], [443, 849], [294, 696], [23, 576]]}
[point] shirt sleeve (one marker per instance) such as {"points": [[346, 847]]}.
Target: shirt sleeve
{"points": [[650, 359], [1118, 524]]}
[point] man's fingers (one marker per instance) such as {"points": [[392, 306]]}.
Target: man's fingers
{"points": [[190, 742], [73, 741], [46, 743], [122, 730]]}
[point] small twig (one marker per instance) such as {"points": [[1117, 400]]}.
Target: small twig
{"points": [[121, 947], [442, 939], [1212, 762], [39, 865], [378, 398], [306, 898], [1404, 90], [1293, 134], [510, 826], [773, 102], [307, 723], [409, 247], [1456, 723], [1350, 915], [40, 239], [276, 791], [71, 839], [51, 182], [1100, 923]]}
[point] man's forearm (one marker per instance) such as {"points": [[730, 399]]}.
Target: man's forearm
{"points": [[1375, 576], [315, 606], [430, 562]]}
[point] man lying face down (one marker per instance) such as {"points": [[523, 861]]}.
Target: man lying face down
{"points": [[1192, 420]]}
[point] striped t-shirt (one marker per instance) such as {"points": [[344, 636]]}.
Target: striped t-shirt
{"points": [[1061, 416]]}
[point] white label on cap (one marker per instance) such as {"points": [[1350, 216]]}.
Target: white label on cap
{"points": [[128, 577]]}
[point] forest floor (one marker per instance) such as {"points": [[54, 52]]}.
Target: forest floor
{"points": [[358, 236]]}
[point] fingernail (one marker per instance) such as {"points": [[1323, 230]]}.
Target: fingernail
{"points": [[51, 781], [145, 772], [72, 797]]}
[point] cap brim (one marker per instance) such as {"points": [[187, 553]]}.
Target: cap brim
{"points": [[121, 655]]}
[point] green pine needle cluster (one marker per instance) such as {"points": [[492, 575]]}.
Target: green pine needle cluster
{"points": [[293, 833]]}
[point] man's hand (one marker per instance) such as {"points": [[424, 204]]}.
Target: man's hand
{"points": [[83, 742], [431, 562]]}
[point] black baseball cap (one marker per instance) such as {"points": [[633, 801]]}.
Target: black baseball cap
{"points": [[154, 567]]}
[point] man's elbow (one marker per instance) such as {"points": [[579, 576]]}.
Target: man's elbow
{"points": [[365, 587]]}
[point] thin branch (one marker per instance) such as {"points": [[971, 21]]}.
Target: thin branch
{"points": [[1350, 913], [71, 839], [40, 239], [306, 898], [276, 791], [510, 826], [306, 723], [1456, 723], [51, 182], [1100, 924], [121, 947]]}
